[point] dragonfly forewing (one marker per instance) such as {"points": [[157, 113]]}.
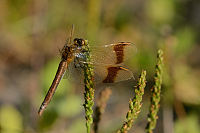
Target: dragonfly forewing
{"points": [[112, 54]]}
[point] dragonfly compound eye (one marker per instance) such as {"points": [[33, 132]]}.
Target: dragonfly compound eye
{"points": [[79, 41], [76, 40], [82, 42]]}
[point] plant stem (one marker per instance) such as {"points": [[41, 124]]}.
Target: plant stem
{"points": [[156, 90], [134, 104], [89, 88]]}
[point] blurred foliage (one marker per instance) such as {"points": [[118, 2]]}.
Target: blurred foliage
{"points": [[11, 119], [31, 32], [188, 124]]}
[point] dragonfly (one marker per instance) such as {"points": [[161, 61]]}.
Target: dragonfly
{"points": [[105, 60]]}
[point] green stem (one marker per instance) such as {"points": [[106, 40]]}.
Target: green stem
{"points": [[134, 104], [89, 88], [156, 90]]}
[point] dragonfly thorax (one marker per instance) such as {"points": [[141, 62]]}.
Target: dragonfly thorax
{"points": [[67, 53]]}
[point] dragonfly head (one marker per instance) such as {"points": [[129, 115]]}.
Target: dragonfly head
{"points": [[77, 47], [79, 43]]}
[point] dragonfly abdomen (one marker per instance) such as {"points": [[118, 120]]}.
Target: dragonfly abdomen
{"points": [[59, 74]]}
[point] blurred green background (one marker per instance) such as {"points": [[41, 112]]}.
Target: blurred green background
{"points": [[31, 31]]}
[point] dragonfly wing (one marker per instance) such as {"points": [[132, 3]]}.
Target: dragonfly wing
{"points": [[113, 53], [102, 74], [104, 59], [75, 74], [111, 74]]}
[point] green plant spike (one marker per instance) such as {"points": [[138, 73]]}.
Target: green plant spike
{"points": [[89, 88], [156, 90], [134, 104]]}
